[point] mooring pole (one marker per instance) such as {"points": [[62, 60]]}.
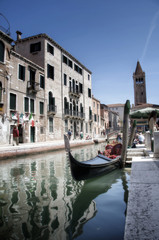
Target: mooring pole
{"points": [[132, 134], [125, 133]]}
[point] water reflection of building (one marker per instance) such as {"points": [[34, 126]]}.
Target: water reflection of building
{"points": [[40, 197]]}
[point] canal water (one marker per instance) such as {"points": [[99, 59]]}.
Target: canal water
{"points": [[39, 199]]}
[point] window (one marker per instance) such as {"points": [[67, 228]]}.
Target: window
{"points": [[12, 101], [50, 125], [86, 127], [65, 79], [26, 104], [32, 105], [88, 77], [89, 92], [41, 108], [32, 75], [42, 81], [35, 47], [95, 117], [50, 71], [69, 63], [66, 125], [50, 49], [21, 72], [1, 51], [41, 130], [77, 69], [64, 59], [80, 87]]}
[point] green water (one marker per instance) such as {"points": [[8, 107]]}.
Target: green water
{"points": [[40, 200]]}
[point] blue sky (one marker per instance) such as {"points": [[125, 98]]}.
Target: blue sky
{"points": [[107, 36]]}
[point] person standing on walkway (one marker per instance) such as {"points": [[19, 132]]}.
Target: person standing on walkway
{"points": [[15, 136], [152, 127], [81, 135], [69, 134], [152, 122]]}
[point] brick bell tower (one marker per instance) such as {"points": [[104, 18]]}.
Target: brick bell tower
{"points": [[139, 85]]}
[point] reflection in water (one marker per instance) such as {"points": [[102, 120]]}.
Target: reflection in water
{"points": [[40, 200]]}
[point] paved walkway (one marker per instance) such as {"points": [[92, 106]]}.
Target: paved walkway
{"points": [[143, 201], [8, 151]]}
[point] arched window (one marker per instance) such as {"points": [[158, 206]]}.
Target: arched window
{"points": [[1, 51]]}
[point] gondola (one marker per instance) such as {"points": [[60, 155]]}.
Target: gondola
{"points": [[90, 168]]}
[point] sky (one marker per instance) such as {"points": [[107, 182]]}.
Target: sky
{"points": [[107, 36]]}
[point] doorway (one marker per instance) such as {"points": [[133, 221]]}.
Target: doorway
{"points": [[20, 128], [32, 134]]}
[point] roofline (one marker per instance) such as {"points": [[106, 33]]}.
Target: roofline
{"points": [[27, 61], [116, 105], [6, 36], [44, 35]]}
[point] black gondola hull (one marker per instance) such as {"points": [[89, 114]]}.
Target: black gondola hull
{"points": [[83, 171]]}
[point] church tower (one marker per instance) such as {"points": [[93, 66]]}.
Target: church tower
{"points": [[139, 85]]}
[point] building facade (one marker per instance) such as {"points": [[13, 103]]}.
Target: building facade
{"points": [[96, 117], [48, 91], [104, 118], [119, 109]]}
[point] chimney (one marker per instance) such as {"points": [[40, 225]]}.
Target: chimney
{"points": [[18, 35]]}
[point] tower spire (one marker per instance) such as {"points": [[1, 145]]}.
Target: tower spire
{"points": [[138, 68]]}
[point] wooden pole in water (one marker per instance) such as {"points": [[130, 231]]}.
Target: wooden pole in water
{"points": [[125, 133], [133, 129]]}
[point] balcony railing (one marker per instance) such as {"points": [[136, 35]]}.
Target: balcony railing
{"points": [[33, 86], [90, 117], [74, 92], [74, 114], [52, 109]]}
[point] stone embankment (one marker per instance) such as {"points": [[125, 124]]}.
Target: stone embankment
{"points": [[9, 151]]}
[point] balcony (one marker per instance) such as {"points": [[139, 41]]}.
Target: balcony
{"points": [[74, 114], [74, 92], [33, 87], [51, 109], [91, 118]]}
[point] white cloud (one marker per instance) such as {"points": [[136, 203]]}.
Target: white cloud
{"points": [[152, 28]]}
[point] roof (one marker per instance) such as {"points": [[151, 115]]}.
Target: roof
{"points": [[145, 105], [115, 105], [27, 60], [93, 98], [44, 35], [6, 37]]}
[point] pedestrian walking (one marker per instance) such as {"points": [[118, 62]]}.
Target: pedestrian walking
{"points": [[15, 136], [69, 134]]}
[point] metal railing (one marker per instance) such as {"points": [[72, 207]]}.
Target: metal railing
{"points": [[74, 91], [33, 86], [75, 114], [52, 109]]}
